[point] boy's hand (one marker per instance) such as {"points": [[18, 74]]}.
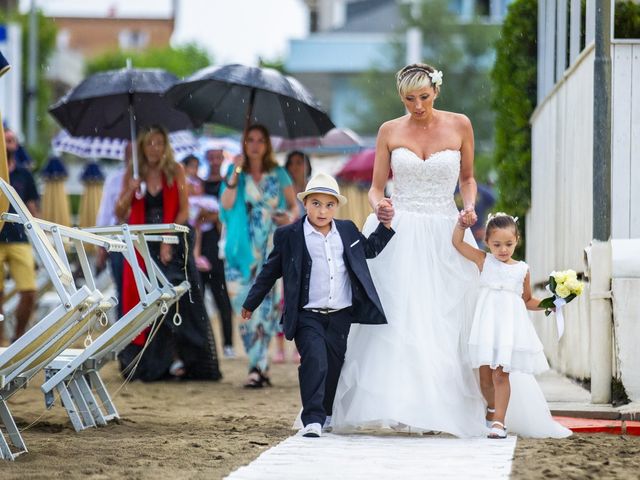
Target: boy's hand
{"points": [[245, 314]]}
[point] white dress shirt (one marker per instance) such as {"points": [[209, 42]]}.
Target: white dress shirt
{"points": [[329, 284], [110, 193]]}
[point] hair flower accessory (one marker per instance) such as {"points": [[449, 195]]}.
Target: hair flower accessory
{"points": [[436, 77], [500, 214]]}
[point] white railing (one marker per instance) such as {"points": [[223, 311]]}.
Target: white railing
{"points": [[559, 222]]}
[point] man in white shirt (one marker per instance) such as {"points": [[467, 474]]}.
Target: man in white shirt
{"points": [[327, 286]]}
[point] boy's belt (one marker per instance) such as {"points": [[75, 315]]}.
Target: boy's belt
{"points": [[324, 311]]}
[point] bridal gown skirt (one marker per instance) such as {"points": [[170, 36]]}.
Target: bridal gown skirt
{"points": [[413, 374]]}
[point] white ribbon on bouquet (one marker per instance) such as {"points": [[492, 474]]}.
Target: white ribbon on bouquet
{"points": [[559, 303]]}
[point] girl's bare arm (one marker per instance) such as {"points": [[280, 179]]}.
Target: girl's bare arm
{"points": [[476, 255], [529, 300]]}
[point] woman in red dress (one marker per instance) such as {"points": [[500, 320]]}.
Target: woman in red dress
{"points": [[187, 350]]}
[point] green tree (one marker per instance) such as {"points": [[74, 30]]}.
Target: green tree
{"points": [[464, 52], [181, 61], [275, 63], [46, 44], [514, 99], [627, 22]]}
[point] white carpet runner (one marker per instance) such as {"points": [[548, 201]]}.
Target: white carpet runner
{"points": [[382, 457]]}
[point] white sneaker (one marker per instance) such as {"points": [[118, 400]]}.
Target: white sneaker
{"points": [[228, 352], [313, 430], [327, 424]]}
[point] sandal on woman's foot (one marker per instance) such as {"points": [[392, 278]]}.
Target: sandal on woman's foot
{"points": [[497, 432], [177, 369], [254, 380], [490, 412], [266, 381]]}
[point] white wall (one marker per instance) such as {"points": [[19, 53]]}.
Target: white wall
{"points": [[625, 141]]}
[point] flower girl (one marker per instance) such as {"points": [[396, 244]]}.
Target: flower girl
{"points": [[503, 343]]}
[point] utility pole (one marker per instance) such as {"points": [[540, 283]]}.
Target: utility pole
{"points": [[32, 79], [414, 34], [600, 288]]}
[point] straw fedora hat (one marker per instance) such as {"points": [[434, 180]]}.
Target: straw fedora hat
{"points": [[323, 183]]}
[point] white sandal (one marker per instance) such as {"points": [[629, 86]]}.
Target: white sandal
{"points": [[487, 421], [497, 432]]}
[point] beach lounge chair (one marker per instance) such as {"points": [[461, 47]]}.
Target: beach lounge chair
{"points": [[74, 374], [73, 317]]}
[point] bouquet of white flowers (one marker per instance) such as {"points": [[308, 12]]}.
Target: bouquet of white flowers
{"points": [[564, 286]]}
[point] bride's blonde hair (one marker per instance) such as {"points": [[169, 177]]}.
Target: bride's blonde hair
{"points": [[414, 77]]}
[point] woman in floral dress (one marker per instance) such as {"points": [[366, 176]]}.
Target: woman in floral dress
{"points": [[256, 198]]}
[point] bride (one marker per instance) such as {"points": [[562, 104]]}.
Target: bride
{"points": [[412, 374]]}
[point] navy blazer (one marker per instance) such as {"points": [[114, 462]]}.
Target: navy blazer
{"points": [[290, 260]]}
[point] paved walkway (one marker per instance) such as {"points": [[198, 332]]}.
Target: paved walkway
{"points": [[356, 457]]}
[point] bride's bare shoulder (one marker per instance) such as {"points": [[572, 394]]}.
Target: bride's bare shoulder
{"points": [[390, 128], [393, 124], [456, 120]]}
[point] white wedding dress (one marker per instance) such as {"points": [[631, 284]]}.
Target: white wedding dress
{"points": [[413, 374]]}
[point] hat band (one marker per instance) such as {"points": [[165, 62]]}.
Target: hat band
{"points": [[322, 189]]}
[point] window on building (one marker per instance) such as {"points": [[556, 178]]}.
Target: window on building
{"points": [[63, 38], [455, 6], [483, 8], [129, 39], [313, 21]]}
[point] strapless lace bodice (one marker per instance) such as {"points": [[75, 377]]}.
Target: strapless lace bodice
{"points": [[425, 186]]}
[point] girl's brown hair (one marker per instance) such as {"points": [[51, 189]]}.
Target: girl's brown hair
{"points": [[501, 220]]}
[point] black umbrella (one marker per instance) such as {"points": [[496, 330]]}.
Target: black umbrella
{"points": [[117, 103], [238, 96]]}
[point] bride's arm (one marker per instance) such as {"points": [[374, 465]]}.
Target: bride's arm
{"points": [[468, 186], [381, 205]]}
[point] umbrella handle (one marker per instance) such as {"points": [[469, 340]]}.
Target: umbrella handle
{"points": [[143, 190]]}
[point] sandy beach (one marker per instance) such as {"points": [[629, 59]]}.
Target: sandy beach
{"points": [[202, 430], [579, 457], [169, 429]]}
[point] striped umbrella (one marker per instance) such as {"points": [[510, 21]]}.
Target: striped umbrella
{"points": [[183, 143]]}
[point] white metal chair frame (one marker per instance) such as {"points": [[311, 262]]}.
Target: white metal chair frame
{"points": [[74, 374], [61, 327]]}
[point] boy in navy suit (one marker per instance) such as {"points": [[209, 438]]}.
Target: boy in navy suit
{"points": [[327, 286]]}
